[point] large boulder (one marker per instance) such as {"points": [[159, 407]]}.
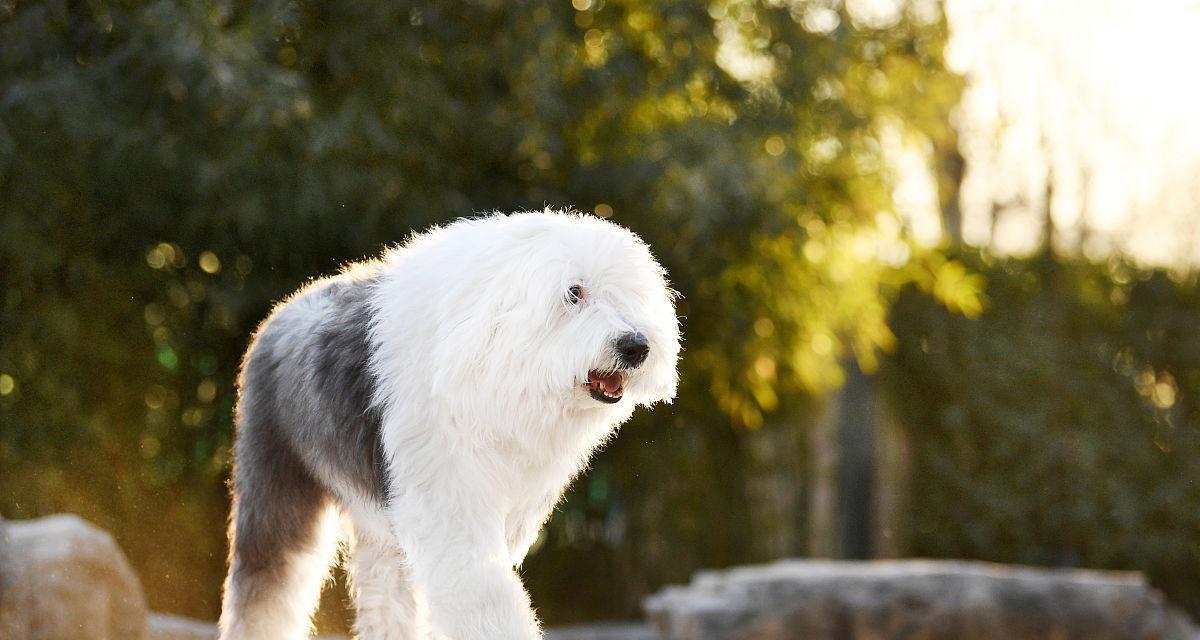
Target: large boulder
{"points": [[62, 578], [914, 599]]}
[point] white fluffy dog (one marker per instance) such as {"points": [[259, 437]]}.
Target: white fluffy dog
{"points": [[439, 400]]}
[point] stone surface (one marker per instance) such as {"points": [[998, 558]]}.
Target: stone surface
{"points": [[926, 600], [62, 578], [161, 626]]}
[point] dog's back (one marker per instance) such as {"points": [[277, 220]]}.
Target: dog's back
{"points": [[306, 433]]}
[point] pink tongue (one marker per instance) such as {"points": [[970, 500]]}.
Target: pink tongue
{"points": [[611, 383]]}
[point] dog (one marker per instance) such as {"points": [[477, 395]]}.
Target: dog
{"points": [[426, 410]]}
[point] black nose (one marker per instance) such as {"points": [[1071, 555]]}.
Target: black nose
{"points": [[632, 349]]}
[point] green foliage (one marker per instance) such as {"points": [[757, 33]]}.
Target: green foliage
{"points": [[168, 169], [1058, 428]]}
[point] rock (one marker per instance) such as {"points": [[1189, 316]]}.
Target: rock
{"points": [[63, 578], [930, 600], [161, 626], [603, 631]]}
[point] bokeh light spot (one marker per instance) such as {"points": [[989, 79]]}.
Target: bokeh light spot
{"points": [[155, 397], [154, 314], [209, 263], [150, 446], [167, 358], [764, 368], [822, 344], [206, 391], [155, 258]]}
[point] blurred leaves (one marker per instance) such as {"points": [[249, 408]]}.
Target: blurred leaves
{"points": [[1059, 426]]}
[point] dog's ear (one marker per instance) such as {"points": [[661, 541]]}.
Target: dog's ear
{"points": [[464, 346], [480, 346]]}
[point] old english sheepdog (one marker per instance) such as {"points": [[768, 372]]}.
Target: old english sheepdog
{"points": [[428, 409]]}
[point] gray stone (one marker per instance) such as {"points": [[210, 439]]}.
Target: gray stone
{"points": [[929, 600], [161, 626], [63, 578]]}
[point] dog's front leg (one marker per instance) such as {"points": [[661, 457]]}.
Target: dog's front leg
{"points": [[453, 536]]}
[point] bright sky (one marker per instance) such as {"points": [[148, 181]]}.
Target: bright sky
{"points": [[1109, 92]]}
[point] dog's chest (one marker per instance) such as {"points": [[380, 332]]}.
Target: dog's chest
{"points": [[537, 471], [534, 486], [530, 506], [533, 483]]}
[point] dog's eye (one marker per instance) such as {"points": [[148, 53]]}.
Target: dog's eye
{"points": [[576, 294]]}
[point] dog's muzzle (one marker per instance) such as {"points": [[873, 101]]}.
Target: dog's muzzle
{"points": [[609, 386]]}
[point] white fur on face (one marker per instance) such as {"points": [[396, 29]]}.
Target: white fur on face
{"points": [[502, 324]]}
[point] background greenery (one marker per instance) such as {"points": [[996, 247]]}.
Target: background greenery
{"points": [[1059, 428], [170, 169]]}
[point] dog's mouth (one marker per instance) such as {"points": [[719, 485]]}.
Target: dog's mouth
{"points": [[606, 387]]}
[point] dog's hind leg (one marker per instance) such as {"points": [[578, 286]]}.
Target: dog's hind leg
{"points": [[387, 606], [283, 537]]}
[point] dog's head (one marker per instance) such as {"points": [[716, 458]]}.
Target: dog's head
{"points": [[565, 309]]}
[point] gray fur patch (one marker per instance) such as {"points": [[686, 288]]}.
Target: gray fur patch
{"points": [[306, 390], [322, 387], [276, 500], [306, 427], [346, 387]]}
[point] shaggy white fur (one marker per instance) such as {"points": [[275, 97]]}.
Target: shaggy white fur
{"points": [[441, 398]]}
